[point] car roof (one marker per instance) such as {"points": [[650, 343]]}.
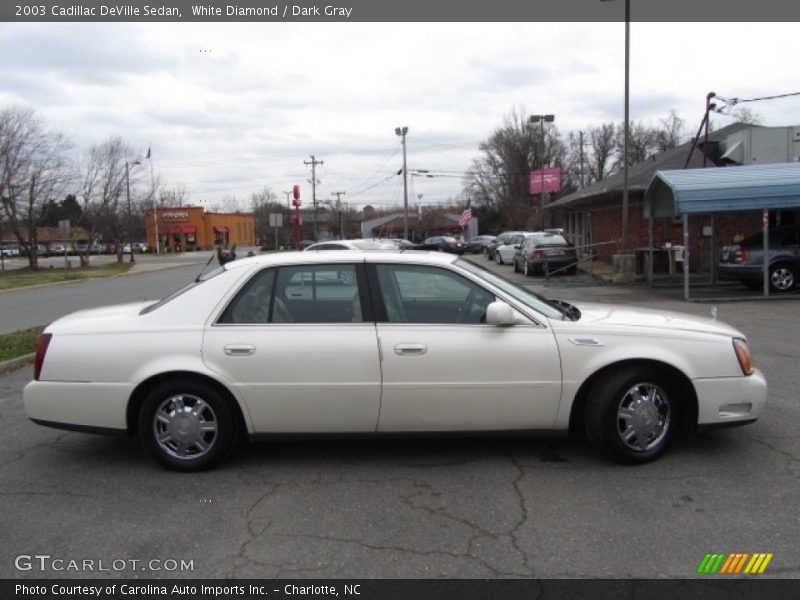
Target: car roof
{"points": [[343, 256]]}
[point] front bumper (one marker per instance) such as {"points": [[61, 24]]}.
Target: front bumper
{"points": [[730, 400]]}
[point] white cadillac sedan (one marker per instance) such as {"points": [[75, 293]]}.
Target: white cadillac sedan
{"points": [[347, 342]]}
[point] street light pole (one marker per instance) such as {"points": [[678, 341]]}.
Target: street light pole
{"points": [[128, 194], [542, 119], [402, 131]]}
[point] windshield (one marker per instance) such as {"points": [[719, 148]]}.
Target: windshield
{"points": [[527, 297]]}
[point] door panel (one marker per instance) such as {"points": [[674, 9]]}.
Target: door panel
{"points": [[295, 345], [444, 370]]}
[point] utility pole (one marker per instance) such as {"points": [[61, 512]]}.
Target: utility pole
{"points": [[339, 209], [314, 162], [402, 131], [580, 134]]}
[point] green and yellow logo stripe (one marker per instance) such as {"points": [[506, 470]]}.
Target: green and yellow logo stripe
{"points": [[734, 563]]}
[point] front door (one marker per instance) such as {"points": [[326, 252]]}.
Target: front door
{"points": [[445, 369]]}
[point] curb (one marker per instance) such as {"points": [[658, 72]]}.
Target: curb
{"points": [[7, 366]]}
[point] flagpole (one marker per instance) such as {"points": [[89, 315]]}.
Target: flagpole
{"points": [[155, 202]]}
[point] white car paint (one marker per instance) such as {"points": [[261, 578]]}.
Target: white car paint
{"points": [[376, 376]]}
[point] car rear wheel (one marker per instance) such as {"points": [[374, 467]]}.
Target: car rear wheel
{"points": [[629, 415], [187, 425], [782, 278]]}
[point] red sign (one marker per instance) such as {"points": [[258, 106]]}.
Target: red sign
{"points": [[552, 180]]}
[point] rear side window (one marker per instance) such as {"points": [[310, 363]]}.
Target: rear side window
{"points": [[298, 294]]}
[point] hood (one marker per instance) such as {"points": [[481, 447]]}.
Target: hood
{"points": [[618, 317], [103, 319]]}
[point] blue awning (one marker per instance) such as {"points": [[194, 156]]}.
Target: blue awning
{"points": [[724, 189]]}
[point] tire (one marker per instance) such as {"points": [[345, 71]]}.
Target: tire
{"points": [[630, 415], [187, 425], [782, 277], [526, 268], [497, 258]]}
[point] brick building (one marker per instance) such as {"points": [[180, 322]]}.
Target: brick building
{"points": [[593, 215]]}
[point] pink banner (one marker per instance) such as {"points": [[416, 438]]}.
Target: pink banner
{"points": [[552, 180]]}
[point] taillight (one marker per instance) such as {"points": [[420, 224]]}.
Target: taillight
{"points": [[41, 350], [538, 252], [740, 255]]}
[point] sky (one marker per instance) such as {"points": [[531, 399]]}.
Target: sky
{"points": [[228, 109]]}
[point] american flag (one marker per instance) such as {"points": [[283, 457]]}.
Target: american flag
{"points": [[466, 215]]}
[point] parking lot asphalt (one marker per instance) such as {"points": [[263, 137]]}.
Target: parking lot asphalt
{"points": [[455, 508]]}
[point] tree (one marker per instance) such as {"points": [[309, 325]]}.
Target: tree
{"points": [[499, 177], [262, 204], [107, 174], [671, 132], [67, 210], [34, 170]]}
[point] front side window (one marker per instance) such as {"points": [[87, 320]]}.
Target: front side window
{"points": [[420, 294]]}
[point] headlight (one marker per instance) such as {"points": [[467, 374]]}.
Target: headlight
{"points": [[743, 354]]}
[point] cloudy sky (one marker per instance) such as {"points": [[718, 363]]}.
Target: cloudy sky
{"points": [[231, 108]]}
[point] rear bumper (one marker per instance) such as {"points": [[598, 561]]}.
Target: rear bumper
{"points": [[79, 406], [733, 272]]}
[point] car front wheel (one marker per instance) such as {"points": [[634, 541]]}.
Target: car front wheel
{"points": [[782, 278], [187, 425], [629, 415]]}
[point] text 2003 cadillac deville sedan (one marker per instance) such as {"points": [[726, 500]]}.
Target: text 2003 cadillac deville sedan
{"points": [[354, 342]]}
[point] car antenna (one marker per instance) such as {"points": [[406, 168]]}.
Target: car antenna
{"points": [[203, 270]]}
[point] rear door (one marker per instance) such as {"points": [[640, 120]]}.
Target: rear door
{"points": [[298, 343]]}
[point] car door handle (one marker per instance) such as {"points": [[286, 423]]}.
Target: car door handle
{"points": [[240, 350], [410, 349]]}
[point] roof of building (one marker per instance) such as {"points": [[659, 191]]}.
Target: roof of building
{"points": [[641, 174], [737, 188]]}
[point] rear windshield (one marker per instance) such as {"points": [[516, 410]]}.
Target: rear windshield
{"points": [[200, 280]]}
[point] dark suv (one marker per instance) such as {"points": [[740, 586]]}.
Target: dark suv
{"points": [[744, 261]]}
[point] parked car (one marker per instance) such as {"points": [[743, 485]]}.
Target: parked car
{"points": [[57, 249], [744, 261], [368, 244], [542, 252], [9, 251], [350, 342], [442, 243], [504, 253], [490, 248], [138, 248], [475, 245]]}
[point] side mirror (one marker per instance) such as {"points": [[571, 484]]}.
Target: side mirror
{"points": [[500, 314]]}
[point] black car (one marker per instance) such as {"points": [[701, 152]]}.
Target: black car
{"points": [[442, 243], [477, 244], [744, 261]]}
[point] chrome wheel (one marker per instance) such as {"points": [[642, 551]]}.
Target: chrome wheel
{"points": [[782, 278], [185, 426], [643, 417]]}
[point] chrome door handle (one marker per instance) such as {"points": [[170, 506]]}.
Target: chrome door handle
{"points": [[410, 349], [240, 350]]}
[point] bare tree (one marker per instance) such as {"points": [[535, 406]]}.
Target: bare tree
{"points": [[262, 204], [499, 177], [173, 196], [670, 133], [34, 170], [107, 174]]}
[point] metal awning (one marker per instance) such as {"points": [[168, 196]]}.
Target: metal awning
{"points": [[715, 190], [221, 229], [724, 189]]}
